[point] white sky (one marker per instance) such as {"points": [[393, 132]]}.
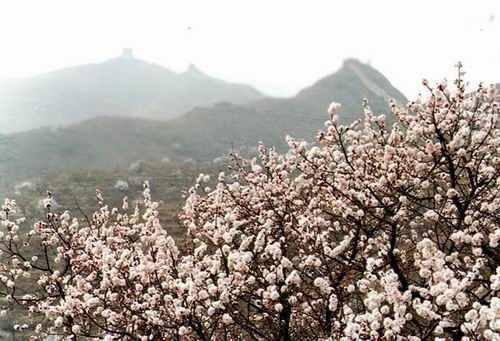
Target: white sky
{"points": [[278, 46]]}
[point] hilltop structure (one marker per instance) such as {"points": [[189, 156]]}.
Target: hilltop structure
{"points": [[127, 53]]}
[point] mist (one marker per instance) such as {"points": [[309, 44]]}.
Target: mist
{"points": [[279, 47]]}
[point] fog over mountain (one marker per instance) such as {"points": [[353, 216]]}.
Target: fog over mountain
{"points": [[122, 86], [202, 134]]}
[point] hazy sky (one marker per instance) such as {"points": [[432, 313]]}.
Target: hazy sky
{"points": [[278, 46]]}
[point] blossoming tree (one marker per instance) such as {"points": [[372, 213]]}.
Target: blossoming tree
{"points": [[373, 232]]}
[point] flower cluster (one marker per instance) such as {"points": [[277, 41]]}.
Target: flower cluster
{"points": [[374, 232]]}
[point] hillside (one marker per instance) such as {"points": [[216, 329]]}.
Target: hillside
{"points": [[75, 191], [209, 131], [202, 134], [354, 81], [123, 86]]}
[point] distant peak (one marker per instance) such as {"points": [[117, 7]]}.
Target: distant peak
{"points": [[194, 71], [359, 77], [351, 61], [127, 53], [127, 57]]}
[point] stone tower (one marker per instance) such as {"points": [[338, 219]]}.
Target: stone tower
{"points": [[128, 53]]}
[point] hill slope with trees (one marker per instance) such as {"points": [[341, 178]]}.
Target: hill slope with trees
{"points": [[373, 233], [202, 134]]}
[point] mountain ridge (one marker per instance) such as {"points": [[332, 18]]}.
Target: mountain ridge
{"points": [[121, 86], [203, 133]]}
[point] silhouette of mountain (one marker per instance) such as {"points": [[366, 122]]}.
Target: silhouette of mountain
{"points": [[201, 134], [270, 119], [122, 86]]}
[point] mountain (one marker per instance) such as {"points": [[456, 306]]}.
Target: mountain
{"points": [[353, 81], [202, 134], [122, 86], [227, 125]]}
